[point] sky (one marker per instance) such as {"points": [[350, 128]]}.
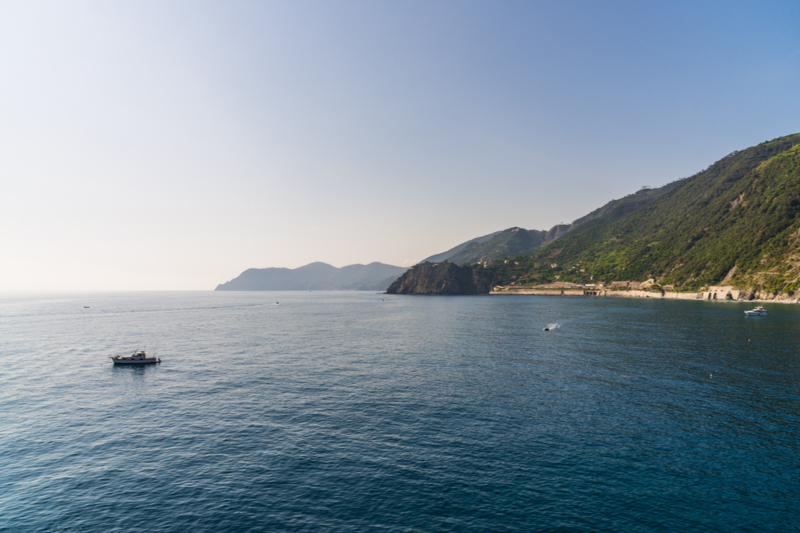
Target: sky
{"points": [[170, 145]]}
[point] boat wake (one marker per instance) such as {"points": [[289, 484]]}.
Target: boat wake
{"points": [[552, 326]]}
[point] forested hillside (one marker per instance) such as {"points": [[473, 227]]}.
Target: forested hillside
{"points": [[736, 222]]}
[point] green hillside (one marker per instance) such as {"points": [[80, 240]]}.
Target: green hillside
{"points": [[445, 256], [616, 209], [736, 221], [519, 241], [513, 241]]}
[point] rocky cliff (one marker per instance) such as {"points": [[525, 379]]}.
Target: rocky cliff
{"points": [[444, 278]]}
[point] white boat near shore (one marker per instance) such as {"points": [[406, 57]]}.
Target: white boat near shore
{"points": [[758, 311], [139, 357]]}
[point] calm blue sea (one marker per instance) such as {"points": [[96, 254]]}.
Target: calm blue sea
{"points": [[339, 411]]}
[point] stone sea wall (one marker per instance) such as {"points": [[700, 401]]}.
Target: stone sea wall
{"points": [[714, 293]]}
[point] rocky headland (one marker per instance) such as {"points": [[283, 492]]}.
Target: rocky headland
{"points": [[444, 278]]}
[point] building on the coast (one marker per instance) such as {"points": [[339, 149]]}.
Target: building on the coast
{"points": [[721, 292]]}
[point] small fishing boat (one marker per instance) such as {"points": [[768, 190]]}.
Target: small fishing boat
{"points": [[758, 311], [137, 358]]}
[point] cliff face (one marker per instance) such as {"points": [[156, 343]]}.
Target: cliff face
{"points": [[445, 279]]}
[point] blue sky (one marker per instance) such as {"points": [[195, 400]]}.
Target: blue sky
{"points": [[171, 145]]}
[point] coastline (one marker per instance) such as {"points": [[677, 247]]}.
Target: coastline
{"points": [[713, 294]]}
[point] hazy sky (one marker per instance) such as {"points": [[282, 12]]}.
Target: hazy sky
{"points": [[172, 145]]}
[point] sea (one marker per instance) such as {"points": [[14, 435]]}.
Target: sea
{"points": [[359, 411]]}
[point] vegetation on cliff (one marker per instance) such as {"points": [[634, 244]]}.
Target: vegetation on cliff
{"points": [[513, 241], [519, 241], [446, 256], [736, 222]]}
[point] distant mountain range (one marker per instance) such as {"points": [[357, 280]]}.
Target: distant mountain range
{"points": [[315, 276], [737, 223]]}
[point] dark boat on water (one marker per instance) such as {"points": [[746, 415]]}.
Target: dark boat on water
{"points": [[139, 357]]}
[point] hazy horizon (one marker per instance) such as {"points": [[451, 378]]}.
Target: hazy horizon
{"points": [[172, 145]]}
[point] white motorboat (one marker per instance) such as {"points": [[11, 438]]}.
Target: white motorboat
{"points": [[758, 311], [137, 358]]}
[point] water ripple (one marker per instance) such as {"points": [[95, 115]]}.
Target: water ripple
{"points": [[333, 412]]}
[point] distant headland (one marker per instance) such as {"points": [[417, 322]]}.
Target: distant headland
{"points": [[315, 276]]}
